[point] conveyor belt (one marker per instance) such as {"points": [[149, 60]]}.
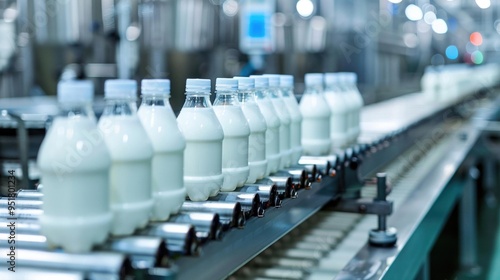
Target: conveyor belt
{"points": [[322, 246], [318, 245]]}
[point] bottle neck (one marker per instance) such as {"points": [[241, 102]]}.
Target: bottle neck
{"points": [[274, 92], [76, 110], [246, 96], [287, 91], [197, 101], [261, 94], [314, 89], [226, 98], [120, 107], [333, 88], [155, 100]]}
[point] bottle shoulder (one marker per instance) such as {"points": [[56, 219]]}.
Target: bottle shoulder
{"points": [[232, 120], [199, 124], [73, 144], [269, 113], [255, 118], [125, 137], [162, 128]]}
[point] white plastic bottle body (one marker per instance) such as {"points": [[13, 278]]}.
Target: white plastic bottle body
{"points": [[315, 125], [130, 173], [74, 166], [234, 146], [358, 105], [203, 154], [339, 120], [257, 162], [167, 166], [272, 134], [351, 111], [295, 127], [284, 131]]}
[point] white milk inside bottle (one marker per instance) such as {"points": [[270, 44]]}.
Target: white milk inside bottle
{"points": [[286, 84], [352, 80], [167, 166], [339, 121], [203, 133], [315, 117], [284, 116], [131, 153], [257, 162], [272, 121], [236, 132], [74, 168], [350, 104]]}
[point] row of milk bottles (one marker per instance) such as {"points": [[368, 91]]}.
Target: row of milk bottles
{"points": [[113, 175], [136, 165], [251, 131], [330, 107], [448, 83]]}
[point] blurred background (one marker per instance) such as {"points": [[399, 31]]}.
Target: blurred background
{"points": [[387, 43]]}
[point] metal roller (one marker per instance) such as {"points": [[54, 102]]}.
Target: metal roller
{"points": [[23, 227], [20, 214], [299, 177], [313, 173], [285, 186], [206, 225], [250, 202], [35, 273], [322, 163], [181, 238], [29, 195], [268, 194], [95, 265], [21, 204], [144, 251], [230, 213]]}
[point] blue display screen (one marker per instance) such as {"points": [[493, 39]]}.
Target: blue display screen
{"points": [[257, 25]]}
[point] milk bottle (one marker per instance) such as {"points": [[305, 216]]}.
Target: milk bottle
{"points": [[167, 166], [339, 121], [74, 168], [350, 103], [272, 121], [236, 132], [315, 117], [203, 133], [257, 162], [352, 79], [284, 116], [131, 153], [286, 84]]}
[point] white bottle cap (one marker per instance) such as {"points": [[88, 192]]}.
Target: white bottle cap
{"points": [[331, 78], [226, 84], [74, 91], [314, 79], [155, 87], [120, 89], [286, 80], [274, 79], [198, 86], [260, 81], [245, 83]]}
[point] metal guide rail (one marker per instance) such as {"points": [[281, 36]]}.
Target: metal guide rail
{"points": [[214, 238]]}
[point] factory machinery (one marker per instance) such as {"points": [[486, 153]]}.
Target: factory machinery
{"points": [[373, 210]]}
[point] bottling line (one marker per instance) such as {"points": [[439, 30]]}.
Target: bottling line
{"points": [[399, 193]]}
